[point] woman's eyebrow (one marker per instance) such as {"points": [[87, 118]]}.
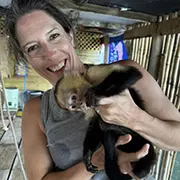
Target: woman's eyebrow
{"points": [[30, 42], [51, 30]]}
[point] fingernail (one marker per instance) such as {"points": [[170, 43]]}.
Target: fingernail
{"points": [[148, 146], [128, 137]]}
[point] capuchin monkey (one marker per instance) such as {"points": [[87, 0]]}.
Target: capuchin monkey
{"points": [[82, 92]]}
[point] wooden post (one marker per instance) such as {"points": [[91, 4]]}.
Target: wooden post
{"points": [[154, 60], [106, 53]]}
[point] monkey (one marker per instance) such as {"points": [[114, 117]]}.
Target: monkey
{"points": [[82, 92]]}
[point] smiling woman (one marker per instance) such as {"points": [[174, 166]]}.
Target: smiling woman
{"points": [[46, 45], [41, 35]]}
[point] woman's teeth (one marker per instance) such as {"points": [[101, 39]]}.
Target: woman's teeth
{"points": [[56, 68]]}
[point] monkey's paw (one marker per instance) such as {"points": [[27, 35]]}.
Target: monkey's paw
{"points": [[91, 168]]}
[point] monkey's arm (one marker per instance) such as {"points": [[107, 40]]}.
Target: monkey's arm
{"points": [[167, 136], [92, 142]]}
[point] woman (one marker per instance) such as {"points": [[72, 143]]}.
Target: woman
{"points": [[53, 137]]}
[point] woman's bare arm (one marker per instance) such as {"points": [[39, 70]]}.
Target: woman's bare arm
{"points": [[155, 101], [159, 123], [38, 162]]}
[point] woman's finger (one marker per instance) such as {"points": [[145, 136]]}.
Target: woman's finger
{"points": [[125, 168], [108, 100], [133, 175], [133, 157], [123, 140], [121, 97]]}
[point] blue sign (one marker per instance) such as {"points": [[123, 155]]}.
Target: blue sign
{"points": [[117, 49]]}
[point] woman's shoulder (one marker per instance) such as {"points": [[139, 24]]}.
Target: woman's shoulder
{"points": [[34, 103], [32, 107], [32, 112]]}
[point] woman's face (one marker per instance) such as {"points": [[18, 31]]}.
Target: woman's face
{"points": [[47, 47]]}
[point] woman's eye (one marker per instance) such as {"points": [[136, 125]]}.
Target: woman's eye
{"points": [[32, 48], [54, 36]]}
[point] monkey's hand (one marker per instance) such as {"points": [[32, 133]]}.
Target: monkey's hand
{"points": [[87, 161]]}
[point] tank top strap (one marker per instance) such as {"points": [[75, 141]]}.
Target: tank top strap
{"points": [[44, 106]]}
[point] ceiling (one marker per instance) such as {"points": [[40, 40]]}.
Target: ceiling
{"points": [[4, 2], [124, 12], [112, 16], [153, 7]]}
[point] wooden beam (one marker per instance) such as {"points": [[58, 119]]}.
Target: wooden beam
{"points": [[108, 11], [81, 2], [93, 23], [143, 31], [166, 27]]}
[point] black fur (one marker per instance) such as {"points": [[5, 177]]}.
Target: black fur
{"points": [[100, 132]]}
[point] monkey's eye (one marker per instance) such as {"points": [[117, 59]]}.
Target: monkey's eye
{"points": [[73, 97]]}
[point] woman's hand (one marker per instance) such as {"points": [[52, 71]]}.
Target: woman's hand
{"points": [[119, 109], [98, 158], [124, 159]]}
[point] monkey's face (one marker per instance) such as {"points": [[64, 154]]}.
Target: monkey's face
{"points": [[70, 92]]}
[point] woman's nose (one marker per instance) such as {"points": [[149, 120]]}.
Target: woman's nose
{"points": [[48, 51]]}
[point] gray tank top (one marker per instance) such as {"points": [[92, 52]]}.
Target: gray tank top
{"points": [[65, 131]]}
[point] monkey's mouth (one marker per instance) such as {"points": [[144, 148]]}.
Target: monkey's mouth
{"points": [[74, 104], [57, 67], [81, 107]]}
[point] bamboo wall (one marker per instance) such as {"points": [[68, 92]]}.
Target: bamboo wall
{"points": [[169, 81], [140, 50]]}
